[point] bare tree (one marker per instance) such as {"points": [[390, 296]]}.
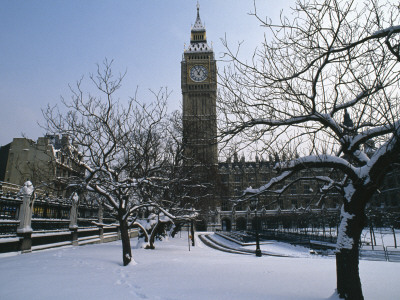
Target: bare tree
{"points": [[121, 147], [325, 83], [170, 188]]}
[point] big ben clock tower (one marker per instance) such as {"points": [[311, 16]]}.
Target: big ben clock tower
{"points": [[199, 91]]}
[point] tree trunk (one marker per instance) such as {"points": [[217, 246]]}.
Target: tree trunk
{"points": [[126, 242], [347, 255], [146, 235], [153, 236], [348, 278], [158, 229], [177, 228], [192, 232]]}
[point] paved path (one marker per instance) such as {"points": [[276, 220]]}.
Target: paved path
{"points": [[209, 240]]}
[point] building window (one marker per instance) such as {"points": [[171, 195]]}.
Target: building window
{"points": [[225, 205], [238, 178]]}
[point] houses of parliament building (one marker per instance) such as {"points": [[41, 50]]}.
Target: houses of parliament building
{"points": [[230, 178]]}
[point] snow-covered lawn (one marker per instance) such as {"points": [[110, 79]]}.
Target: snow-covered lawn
{"points": [[172, 272]]}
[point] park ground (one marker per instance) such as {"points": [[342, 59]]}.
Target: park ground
{"points": [[173, 272]]}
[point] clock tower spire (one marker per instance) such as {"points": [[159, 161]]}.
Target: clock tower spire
{"points": [[199, 93], [199, 117]]}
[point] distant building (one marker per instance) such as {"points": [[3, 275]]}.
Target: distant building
{"points": [[42, 162], [237, 175]]}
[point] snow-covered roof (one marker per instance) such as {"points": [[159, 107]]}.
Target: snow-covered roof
{"points": [[198, 26], [199, 47]]}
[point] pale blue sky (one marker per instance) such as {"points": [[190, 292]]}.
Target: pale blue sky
{"points": [[47, 44]]}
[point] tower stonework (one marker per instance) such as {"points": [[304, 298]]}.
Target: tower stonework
{"points": [[199, 92], [199, 120]]}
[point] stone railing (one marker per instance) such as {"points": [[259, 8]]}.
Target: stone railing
{"points": [[21, 230]]}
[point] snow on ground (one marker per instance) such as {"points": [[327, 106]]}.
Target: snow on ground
{"points": [[273, 247], [284, 249], [171, 272]]}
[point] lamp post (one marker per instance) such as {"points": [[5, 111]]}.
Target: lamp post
{"points": [[258, 250]]}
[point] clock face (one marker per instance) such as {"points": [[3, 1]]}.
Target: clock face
{"points": [[198, 73]]}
